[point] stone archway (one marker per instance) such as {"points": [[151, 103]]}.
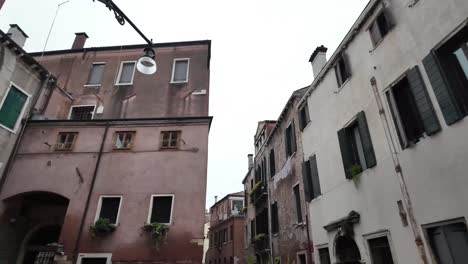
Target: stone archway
{"points": [[36, 241]]}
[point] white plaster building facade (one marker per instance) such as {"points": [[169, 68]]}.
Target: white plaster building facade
{"points": [[391, 154]]}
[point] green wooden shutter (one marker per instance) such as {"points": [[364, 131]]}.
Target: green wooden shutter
{"points": [[287, 144], [293, 138], [423, 102], [366, 140], [345, 152], [306, 178], [447, 102], [315, 177], [12, 107]]}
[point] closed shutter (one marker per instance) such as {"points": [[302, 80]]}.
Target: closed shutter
{"points": [[423, 102], [447, 102], [366, 140], [316, 192], [306, 177], [293, 138], [287, 144], [12, 107], [345, 152]]}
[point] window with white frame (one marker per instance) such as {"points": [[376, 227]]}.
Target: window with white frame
{"points": [[237, 205], [161, 209], [126, 73], [94, 258], [12, 106], [380, 251], [96, 73], [109, 208], [180, 70], [82, 112]]}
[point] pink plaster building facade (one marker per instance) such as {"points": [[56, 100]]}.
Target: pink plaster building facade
{"points": [[121, 146]]}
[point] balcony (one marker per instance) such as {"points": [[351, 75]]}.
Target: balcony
{"points": [[258, 193]]}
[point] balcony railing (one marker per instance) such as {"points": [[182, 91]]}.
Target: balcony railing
{"points": [[258, 193]]}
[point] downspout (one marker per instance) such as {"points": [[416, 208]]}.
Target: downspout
{"points": [[270, 235], [309, 246], [48, 81], [88, 199], [399, 172]]}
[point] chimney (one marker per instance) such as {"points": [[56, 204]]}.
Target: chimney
{"points": [[216, 198], [17, 35], [318, 59], [80, 40], [250, 159]]}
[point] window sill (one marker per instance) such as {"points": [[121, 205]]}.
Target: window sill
{"points": [[123, 84], [9, 129], [121, 149], [92, 86], [179, 82], [316, 199], [343, 85], [168, 149]]}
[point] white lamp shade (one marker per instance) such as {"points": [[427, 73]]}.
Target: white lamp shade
{"points": [[146, 65]]}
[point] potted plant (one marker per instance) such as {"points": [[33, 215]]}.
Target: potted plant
{"points": [[158, 232], [102, 227]]}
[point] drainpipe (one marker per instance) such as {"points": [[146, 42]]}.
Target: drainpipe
{"points": [[48, 81], [309, 246], [88, 199], [270, 234], [399, 172]]}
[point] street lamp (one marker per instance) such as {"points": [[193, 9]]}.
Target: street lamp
{"points": [[146, 64]]}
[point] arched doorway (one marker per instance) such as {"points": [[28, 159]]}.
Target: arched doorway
{"points": [[347, 251], [36, 244]]}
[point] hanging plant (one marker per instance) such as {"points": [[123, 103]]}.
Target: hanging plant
{"points": [[102, 227], [355, 170], [158, 232]]}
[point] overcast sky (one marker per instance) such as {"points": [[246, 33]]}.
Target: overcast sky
{"points": [[260, 53]]}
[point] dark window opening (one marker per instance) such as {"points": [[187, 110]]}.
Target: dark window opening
{"points": [[93, 260], [231, 235], [380, 28], [272, 163], [110, 208], [290, 140], [342, 70], [302, 259], [65, 141], [275, 218], [161, 210], [303, 115], [82, 113], [170, 139], [297, 198], [380, 251], [324, 256]]}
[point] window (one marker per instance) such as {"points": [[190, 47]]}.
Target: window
{"points": [[412, 109], [109, 208], [303, 116], [274, 218], [170, 139], [297, 198], [380, 27], [237, 205], [85, 112], [356, 147], [65, 141], [126, 73], [447, 69], [180, 71], [252, 229], [324, 256], [94, 258], [302, 259], [124, 140], [272, 163], [311, 179], [290, 140], [95, 75], [449, 243], [342, 70], [380, 250], [161, 209], [12, 107]]}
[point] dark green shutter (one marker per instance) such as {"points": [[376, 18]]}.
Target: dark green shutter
{"points": [[307, 180], [300, 118], [12, 107], [347, 65], [315, 177], [293, 138], [287, 144], [444, 95], [345, 152], [366, 140], [423, 102]]}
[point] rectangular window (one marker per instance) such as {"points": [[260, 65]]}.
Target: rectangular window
{"points": [[342, 69], [302, 259], [303, 116], [290, 140], [161, 209], [96, 73], [449, 243], [324, 256], [123, 140], [272, 163], [356, 147], [311, 179], [109, 208], [170, 139], [66, 141], [275, 218], [12, 107], [237, 205], [252, 229], [297, 198], [126, 73], [82, 112], [380, 250], [180, 70], [94, 258], [380, 27]]}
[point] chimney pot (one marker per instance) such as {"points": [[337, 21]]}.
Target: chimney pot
{"points": [[80, 40], [17, 35], [318, 59]]}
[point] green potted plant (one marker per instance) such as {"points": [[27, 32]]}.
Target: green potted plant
{"points": [[102, 227], [158, 232]]}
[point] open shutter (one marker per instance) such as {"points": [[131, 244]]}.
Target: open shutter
{"points": [[366, 140], [287, 146], [347, 65], [315, 177], [444, 95], [299, 118], [389, 18], [345, 152], [12, 107], [307, 180], [293, 138], [423, 102]]}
